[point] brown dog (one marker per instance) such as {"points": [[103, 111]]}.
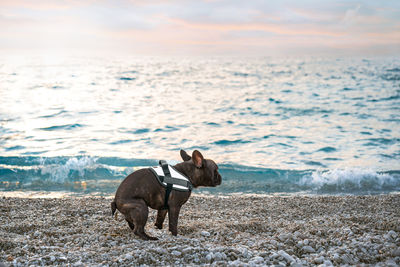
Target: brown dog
{"points": [[141, 190]]}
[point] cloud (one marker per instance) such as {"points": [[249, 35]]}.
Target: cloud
{"points": [[281, 29], [45, 4], [194, 26], [351, 14]]}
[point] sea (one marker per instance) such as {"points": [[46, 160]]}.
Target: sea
{"points": [[274, 125]]}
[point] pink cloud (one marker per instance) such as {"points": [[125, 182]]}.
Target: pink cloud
{"points": [[165, 26], [263, 27], [46, 4]]}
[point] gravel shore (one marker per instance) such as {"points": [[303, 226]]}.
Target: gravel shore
{"points": [[247, 230]]}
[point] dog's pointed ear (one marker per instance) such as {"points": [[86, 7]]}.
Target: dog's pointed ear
{"points": [[184, 155], [197, 159]]}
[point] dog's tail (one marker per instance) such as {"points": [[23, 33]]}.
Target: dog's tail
{"points": [[113, 207]]}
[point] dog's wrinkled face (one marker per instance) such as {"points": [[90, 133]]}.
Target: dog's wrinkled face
{"points": [[211, 174], [205, 171]]}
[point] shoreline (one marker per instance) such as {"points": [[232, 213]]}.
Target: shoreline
{"points": [[74, 195], [212, 230]]}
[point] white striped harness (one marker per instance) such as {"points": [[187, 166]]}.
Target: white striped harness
{"points": [[171, 179]]}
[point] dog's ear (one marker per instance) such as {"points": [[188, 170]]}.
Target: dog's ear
{"points": [[197, 159], [184, 155]]}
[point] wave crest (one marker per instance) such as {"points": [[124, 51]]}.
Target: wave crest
{"points": [[61, 172], [103, 174], [352, 180]]}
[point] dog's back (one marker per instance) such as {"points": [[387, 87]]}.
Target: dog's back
{"points": [[141, 184]]}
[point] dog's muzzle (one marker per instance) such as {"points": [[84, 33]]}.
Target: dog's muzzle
{"points": [[217, 179]]}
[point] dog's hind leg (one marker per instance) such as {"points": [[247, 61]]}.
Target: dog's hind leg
{"points": [[160, 218], [136, 213], [113, 207], [131, 225]]}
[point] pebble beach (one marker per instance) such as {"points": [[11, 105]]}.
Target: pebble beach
{"points": [[234, 230]]}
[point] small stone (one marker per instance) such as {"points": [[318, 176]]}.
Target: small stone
{"points": [[299, 244], [286, 256], [392, 234], [176, 253], [232, 256], [274, 255], [187, 250], [336, 258], [390, 263], [236, 263], [161, 251], [396, 252], [308, 249], [128, 257], [246, 253], [209, 257], [219, 256], [78, 263], [347, 259], [319, 260], [205, 233], [257, 260], [263, 254], [283, 237]]}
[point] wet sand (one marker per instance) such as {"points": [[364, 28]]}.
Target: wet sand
{"points": [[247, 230]]}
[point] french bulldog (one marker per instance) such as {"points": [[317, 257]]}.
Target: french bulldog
{"points": [[141, 190]]}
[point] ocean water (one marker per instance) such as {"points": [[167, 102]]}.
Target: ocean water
{"points": [[274, 125]]}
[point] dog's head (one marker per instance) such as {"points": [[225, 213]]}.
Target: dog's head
{"points": [[204, 171]]}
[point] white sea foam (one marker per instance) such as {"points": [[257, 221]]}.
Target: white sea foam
{"points": [[351, 180], [60, 173], [103, 175]]}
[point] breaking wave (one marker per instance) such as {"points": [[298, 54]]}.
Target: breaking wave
{"points": [[85, 174], [351, 180]]}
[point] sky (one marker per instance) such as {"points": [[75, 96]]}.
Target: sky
{"points": [[200, 27]]}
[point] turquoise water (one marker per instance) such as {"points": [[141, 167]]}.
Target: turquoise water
{"points": [[323, 125]]}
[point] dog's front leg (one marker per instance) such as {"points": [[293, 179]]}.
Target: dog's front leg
{"points": [[160, 218], [173, 215]]}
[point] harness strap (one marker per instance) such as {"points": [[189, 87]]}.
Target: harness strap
{"points": [[170, 181], [167, 179], [165, 168], [176, 181], [167, 193]]}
